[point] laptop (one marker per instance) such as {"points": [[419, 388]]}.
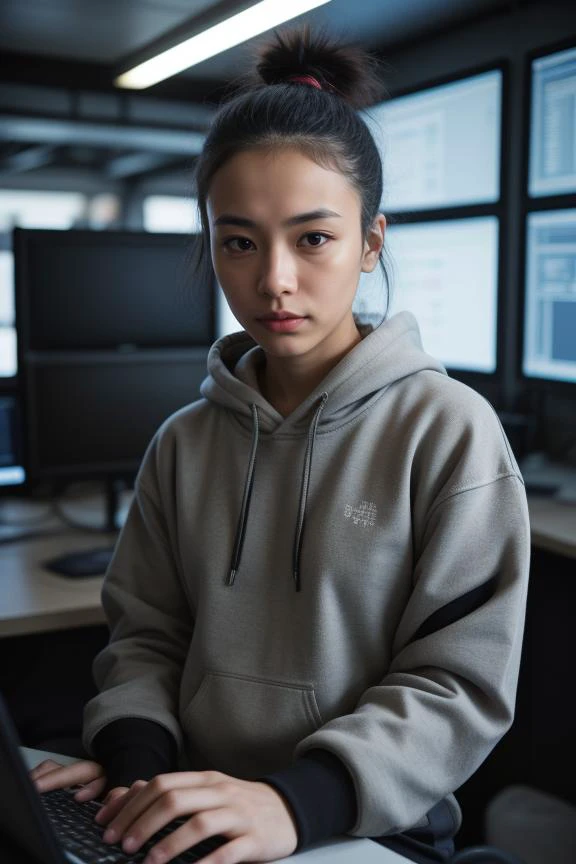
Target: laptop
{"points": [[53, 828]]}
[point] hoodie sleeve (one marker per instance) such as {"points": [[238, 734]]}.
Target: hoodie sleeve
{"points": [[448, 695], [138, 673]]}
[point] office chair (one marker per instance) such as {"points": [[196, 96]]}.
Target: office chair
{"points": [[484, 855]]}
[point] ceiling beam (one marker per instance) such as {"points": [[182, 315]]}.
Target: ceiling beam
{"points": [[46, 130], [131, 164], [27, 160]]}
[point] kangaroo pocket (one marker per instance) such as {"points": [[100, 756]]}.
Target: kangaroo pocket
{"points": [[246, 726]]}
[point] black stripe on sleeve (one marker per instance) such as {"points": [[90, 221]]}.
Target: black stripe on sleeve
{"points": [[458, 608]]}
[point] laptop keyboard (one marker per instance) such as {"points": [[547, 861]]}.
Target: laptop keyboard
{"points": [[73, 823]]}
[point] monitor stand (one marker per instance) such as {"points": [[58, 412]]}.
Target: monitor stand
{"points": [[113, 487], [92, 562]]}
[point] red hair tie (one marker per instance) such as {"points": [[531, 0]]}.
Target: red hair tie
{"points": [[305, 79]]}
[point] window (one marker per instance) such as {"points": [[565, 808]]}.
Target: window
{"points": [[39, 209], [171, 213]]}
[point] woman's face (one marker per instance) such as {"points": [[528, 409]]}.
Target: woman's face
{"points": [[287, 250]]}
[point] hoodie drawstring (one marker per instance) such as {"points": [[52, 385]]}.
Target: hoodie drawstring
{"points": [[304, 493], [248, 486], [249, 483]]}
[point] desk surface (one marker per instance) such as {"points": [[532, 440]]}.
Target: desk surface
{"points": [[553, 525], [33, 600]]}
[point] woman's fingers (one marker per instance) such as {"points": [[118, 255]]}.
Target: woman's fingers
{"points": [[199, 828], [44, 768], [117, 792], [61, 776], [251, 815], [116, 800], [165, 809], [160, 786], [91, 790]]}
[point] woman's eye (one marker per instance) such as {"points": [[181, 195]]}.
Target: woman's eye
{"points": [[315, 239], [243, 244]]}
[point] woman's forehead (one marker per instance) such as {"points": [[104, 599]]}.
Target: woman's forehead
{"points": [[285, 181]]}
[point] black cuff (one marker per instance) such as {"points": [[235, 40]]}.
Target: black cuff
{"points": [[134, 749], [321, 796]]}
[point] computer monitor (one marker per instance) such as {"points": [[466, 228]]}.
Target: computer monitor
{"points": [[12, 474], [552, 158], [8, 366], [549, 344], [92, 415], [441, 145], [112, 338], [102, 290], [446, 274]]}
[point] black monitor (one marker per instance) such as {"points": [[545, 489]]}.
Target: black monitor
{"points": [[12, 476], [104, 290], [91, 415], [113, 334]]}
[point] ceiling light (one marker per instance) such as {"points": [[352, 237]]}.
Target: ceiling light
{"points": [[232, 31]]}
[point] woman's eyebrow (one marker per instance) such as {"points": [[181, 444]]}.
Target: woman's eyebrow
{"points": [[231, 219]]}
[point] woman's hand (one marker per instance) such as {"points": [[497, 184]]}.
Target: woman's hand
{"points": [[251, 815], [50, 775]]}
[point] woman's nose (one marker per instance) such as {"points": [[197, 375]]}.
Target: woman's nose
{"points": [[278, 274]]}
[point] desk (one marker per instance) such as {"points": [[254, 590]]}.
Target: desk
{"points": [[33, 600], [553, 525]]}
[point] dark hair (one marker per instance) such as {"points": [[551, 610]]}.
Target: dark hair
{"points": [[271, 111]]}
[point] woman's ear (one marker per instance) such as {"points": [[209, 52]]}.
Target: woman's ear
{"points": [[373, 243]]}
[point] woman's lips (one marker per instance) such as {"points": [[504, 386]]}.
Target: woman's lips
{"points": [[281, 325]]}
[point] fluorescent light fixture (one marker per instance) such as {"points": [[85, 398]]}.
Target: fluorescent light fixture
{"points": [[257, 19]]}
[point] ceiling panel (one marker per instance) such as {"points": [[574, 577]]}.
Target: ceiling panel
{"points": [[92, 30], [106, 31]]}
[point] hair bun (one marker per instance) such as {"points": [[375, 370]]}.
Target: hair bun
{"points": [[348, 70]]}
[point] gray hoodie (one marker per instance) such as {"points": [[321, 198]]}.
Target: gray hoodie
{"points": [[351, 578]]}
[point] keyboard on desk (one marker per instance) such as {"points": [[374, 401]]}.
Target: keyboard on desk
{"points": [[81, 837]]}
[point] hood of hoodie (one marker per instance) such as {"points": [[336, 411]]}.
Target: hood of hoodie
{"points": [[385, 355]]}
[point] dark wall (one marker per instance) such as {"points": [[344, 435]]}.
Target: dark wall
{"points": [[507, 35]]}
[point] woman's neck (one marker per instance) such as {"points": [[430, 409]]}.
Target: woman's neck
{"points": [[285, 382]]}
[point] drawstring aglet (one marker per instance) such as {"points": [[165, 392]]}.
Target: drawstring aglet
{"points": [[231, 577]]}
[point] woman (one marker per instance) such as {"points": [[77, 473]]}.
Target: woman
{"points": [[316, 603]]}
